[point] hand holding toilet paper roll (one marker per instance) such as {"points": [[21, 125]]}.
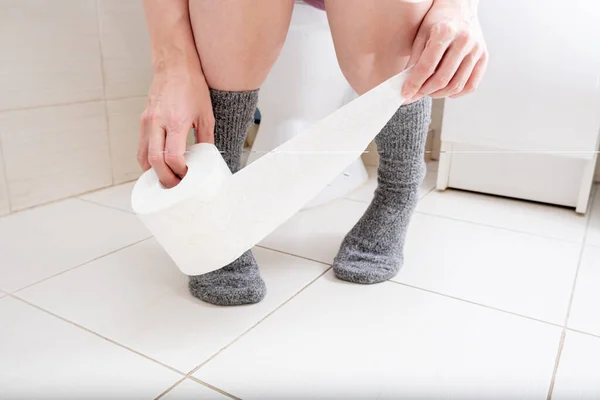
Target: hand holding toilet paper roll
{"points": [[212, 217]]}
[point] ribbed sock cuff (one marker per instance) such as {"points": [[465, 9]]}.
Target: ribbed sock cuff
{"points": [[233, 111], [401, 145]]}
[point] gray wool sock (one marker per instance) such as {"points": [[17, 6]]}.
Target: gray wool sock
{"points": [[239, 282], [372, 251]]}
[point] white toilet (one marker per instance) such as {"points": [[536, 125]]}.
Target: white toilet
{"points": [[304, 86]]}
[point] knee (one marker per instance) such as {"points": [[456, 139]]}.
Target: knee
{"points": [[364, 70]]}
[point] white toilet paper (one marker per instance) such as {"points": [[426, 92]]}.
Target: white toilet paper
{"points": [[212, 217]]}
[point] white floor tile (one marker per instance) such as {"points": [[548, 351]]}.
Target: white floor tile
{"points": [[578, 375], [316, 233], [593, 234], [43, 241], [517, 272], [43, 357], [188, 389], [339, 340], [584, 315], [540, 219], [139, 298], [116, 196], [365, 192]]}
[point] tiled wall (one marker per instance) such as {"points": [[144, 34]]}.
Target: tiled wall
{"points": [[73, 76], [73, 80]]}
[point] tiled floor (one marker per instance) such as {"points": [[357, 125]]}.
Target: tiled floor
{"points": [[498, 299]]}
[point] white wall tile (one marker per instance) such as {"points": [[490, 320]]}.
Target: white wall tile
{"points": [[4, 204], [125, 48], [50, 52], [124, 128], [54, 152]]}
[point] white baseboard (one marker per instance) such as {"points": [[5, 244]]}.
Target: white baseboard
{"points": [[537, 177]]}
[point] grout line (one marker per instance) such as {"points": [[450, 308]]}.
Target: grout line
{"points": [[103, 74], [189, 374], [79, 265], [60, 104], [5, 177], [76, 196], [96, 334], [202, 383], [483, 224], [573, 287], [561, 344], [584, 333], [216, 389], [167, 390], [73, 103], [427, 193], [293, 255], [106, 205], [356, 201], [54, 201], [477, 304], [503, 228]]}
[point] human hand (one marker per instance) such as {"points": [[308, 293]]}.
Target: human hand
{"points": [[449, 52], [178, 100]]}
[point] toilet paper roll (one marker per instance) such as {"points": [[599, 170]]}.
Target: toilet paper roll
{"points": [[213, 217]]}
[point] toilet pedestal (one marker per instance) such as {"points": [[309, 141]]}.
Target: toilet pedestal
{"points": [[304, 86]]}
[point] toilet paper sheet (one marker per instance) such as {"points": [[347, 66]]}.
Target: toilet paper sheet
{"points": [[212, 217]]}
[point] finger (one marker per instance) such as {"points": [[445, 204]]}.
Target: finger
{"points": [[476, 76], [451, 61], [413, 99], [142, 152], [416, 50], [174, 152], [204, 129], [458, 82], [425, 67], [156, 147]]}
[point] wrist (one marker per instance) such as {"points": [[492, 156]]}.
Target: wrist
{"points": [[174, 59], [467, 5]]}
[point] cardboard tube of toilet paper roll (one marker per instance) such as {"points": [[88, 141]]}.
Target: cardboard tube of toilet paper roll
{"points": [[213, 217]]}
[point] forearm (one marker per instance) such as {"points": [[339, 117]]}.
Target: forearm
{"points": [[469, 6], [170, 34]]}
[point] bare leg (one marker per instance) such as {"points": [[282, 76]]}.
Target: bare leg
{"points": [[373, 41], [238, 42]]}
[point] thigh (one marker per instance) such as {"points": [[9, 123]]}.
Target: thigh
{"points": [[239, 40], [373, 39]]}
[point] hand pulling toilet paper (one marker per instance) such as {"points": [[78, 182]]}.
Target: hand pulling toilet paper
{"points": [[211, 217]]}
